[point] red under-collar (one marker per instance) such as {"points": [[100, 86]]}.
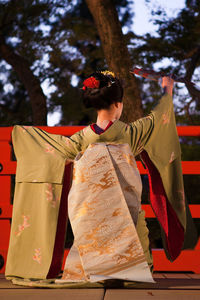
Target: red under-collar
{"points": [[99, 130]]}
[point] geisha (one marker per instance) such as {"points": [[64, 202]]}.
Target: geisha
{"points": [[104, 203]]}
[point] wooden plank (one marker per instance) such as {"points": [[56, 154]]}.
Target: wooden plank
{"points": [[177, 284], [176, 275], [194, 276], [52, 294], [147, 294], [7, 284], [158, 275]]}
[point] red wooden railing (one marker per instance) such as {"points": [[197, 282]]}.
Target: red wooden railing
{"points": [[189, 260]]}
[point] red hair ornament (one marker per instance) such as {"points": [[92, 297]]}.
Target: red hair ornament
{"points": [[91, 83]]}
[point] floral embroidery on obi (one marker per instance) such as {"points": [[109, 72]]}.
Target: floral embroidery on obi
{"points": [[22, 226], [37, 255]]}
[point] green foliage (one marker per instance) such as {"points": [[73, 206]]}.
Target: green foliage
{"points": [[14, 102], [174, 49], [61, 43]]}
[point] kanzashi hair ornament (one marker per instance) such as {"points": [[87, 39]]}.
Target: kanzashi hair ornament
{"points": [[108, 73], [91, 83]]}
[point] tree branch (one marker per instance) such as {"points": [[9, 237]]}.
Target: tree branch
{"points": [[116, 54], [194, 92], [29, 80]]}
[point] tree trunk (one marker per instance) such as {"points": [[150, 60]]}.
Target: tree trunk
{"points": [[30, 81], [190, 68], [116, 54]]}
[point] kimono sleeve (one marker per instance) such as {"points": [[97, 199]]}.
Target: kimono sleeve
{"points": [[40, 203], [155, 138], [65, 146], [140, 132], [163, 145], [155, 132], [41, 156]]}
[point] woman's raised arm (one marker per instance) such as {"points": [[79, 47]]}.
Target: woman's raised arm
{"points": [[156, 123]]}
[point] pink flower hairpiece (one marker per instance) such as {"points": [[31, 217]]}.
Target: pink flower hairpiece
{"points": [[91, 83]]}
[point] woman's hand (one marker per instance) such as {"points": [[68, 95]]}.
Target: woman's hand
{"points": [[167, 84]]}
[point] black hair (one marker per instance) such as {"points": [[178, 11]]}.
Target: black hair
{"points": [[110, 91]]}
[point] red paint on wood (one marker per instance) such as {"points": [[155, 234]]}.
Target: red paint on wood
{"points": [[5, 185]]}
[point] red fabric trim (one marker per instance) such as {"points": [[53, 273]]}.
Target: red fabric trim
{"points": [[103, 130], [174, 231], [58, 251], [92, 127], [109, 124]]}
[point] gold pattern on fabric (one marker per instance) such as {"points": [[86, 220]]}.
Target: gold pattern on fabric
{"points": [[129, 188], [106, 180], [124, 266], [117, 212], [86, 208], [74, 275], [74, 270], [130, 160]]}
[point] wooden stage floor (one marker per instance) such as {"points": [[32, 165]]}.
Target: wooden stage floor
{"points": [[168, 285]]}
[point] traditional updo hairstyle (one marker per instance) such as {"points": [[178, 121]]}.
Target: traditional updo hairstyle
{"points": [[102, 89]]}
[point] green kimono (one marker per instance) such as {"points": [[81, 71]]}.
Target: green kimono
{"points": [[40, 187]]}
